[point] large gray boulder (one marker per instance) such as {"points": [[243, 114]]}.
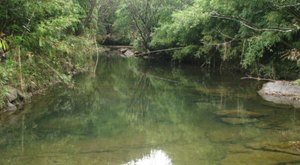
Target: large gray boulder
{"points": [[281, 92]]}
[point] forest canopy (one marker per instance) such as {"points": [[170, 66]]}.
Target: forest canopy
{"points": [[260, 37]]}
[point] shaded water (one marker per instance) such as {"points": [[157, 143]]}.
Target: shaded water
{"points": [[133, 107]]}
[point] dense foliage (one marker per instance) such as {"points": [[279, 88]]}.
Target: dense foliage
{"points": [[137, 19], [258, 34], [55, 37], [52, 37]]}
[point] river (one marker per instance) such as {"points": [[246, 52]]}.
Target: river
{"points": [[134, 107]]}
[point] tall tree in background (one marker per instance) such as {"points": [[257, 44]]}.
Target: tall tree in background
{"points": [[143, 16], [107, 16], [139, 18]]}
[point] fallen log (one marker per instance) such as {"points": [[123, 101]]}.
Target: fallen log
{"points": [[158, 51], [257, 78], [118, 46]]}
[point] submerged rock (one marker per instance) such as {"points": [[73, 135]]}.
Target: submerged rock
{"points": [[239, 114], [289, 147], [281, 92], [223, 136], [238, 121]]}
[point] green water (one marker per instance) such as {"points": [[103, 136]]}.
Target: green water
{"points": [[134, 106]]}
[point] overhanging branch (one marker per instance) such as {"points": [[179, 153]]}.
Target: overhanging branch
{"points": [[287, 5], [250, 25]]}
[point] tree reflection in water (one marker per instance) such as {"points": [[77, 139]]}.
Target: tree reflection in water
{"points": [[134, 106]]}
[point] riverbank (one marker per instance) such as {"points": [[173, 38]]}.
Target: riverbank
{"points": [[15, 97], [37, 76]]}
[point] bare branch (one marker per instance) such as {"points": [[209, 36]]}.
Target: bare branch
{"points": [[158, 51], [287, 5], [257, 78]]}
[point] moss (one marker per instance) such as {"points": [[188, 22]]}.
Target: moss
{"points": [[297, 81]]}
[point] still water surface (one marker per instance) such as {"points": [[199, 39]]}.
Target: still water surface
{"points": [[133, 107]]}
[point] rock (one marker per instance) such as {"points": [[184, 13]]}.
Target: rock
{"points": [[238, 114], [123, 50], [238, 121], [15, 99], [223, 136], [281, 92], [19, 104], [129, 53], [290, 147], [12, 94], [11, 107], [122, 55], [21, 95]]}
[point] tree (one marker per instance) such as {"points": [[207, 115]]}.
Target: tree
{"points": [[248, 31], [141, 17], [42, 37]]}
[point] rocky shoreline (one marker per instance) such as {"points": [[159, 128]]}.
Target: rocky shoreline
{"points": [[15, 99]]}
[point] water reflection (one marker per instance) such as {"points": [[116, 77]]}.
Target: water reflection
{"points": [[133, 106]]}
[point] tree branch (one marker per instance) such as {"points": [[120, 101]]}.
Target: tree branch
{"points": [[158, 51], [287, 5], [249, 25], [257, 78]]}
